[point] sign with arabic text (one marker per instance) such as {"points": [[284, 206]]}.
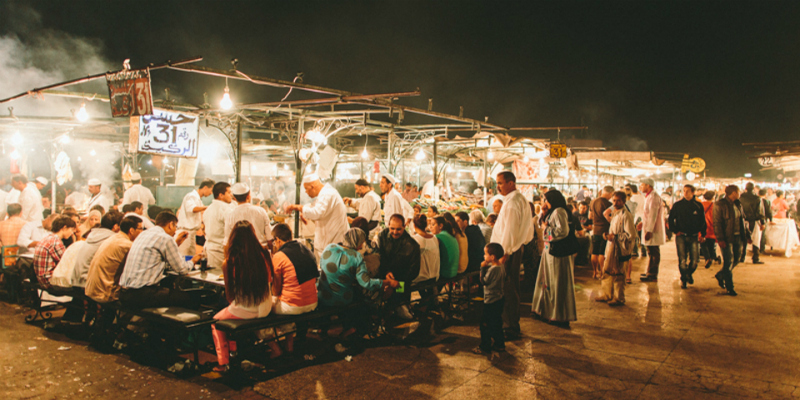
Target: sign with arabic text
{"points": [[129, 93], [166, 133]]}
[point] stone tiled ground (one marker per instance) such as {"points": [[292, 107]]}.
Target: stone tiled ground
{"points": [[666, 343]]}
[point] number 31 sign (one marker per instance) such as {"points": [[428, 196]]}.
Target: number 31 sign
{"points": [[129, 92]]}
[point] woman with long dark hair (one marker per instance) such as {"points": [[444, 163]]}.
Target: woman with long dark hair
{"points": [[248, 274], [554, 294]]}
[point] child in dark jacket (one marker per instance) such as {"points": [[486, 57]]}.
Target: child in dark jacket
{"points": [[492, 277]]}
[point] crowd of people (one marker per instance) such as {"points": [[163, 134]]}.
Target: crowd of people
{"points": [[116, 252]]}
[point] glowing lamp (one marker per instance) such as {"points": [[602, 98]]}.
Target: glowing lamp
{"points": [[82, 115], [226, 103]]}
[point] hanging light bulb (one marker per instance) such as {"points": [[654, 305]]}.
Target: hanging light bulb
{"points": [[226, 103], [286, 167], [82, 115], [15, 155], [421, 155], [365, 154], [526, 159], [64, 139], [490, 155], [92, 153]]}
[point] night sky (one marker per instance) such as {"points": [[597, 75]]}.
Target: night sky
{"points": [[693, 77]]}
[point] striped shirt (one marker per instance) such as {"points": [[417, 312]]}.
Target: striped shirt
{"points": [[152, 253]]}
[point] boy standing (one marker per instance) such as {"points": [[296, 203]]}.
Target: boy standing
{"points": [[492, 276]]}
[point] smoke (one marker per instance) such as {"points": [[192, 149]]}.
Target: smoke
{"points": [[94, 160], [32, 55]]}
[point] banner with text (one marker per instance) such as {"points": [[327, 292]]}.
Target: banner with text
{"points": [[129, 93], [167, 133]]}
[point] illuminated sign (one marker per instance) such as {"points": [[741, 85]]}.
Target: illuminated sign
{"points": [[129, 93], [166, 133], [558, 150]]}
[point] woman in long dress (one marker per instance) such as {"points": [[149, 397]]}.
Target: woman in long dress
{"points": [[554, 295]]}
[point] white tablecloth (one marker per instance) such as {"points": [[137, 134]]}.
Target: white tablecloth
{"points": [[783, 235]]}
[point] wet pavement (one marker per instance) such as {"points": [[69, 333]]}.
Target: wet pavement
{"points": [[666, 343]]}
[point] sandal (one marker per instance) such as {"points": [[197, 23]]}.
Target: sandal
{"points": [[222, 368], [628, 281], [478, 350]]}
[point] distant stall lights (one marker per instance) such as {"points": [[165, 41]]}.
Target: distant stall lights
{"points": [[15, 155], [16, 140], [82, 115], [690, 176], [748, 175], [420, 155], [490, 155]]}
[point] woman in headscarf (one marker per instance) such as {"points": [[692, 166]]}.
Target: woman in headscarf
{"points": [[342, 268], [554, 294]]}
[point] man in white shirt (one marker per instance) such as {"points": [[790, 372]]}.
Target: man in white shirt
{"points": [[3, 205], [214, 222], [514, 228], [393, 202], [368, 206], [653, 231], [245, 211], [328, 211], [139, 193], [189, 216], [98, 197], [33, 232], [281, 197], [29, 198], [137, 210]]}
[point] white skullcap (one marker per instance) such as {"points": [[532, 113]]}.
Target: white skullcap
{"points": [[42, 180], [649, 181], [390, 178], [136, 176], [310, 178], [239, 189], [94, 182]]}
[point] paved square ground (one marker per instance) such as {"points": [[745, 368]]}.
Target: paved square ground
{"points": [[666, 343]]}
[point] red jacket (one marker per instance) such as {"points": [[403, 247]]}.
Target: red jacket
{"points": [[708, 206]]}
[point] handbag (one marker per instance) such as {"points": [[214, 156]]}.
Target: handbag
{"points": [[565, 247]]}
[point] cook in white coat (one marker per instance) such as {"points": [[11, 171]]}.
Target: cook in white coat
{"points": [[139, 193], [245, 211], [29, 198], [393, 202], [98, 197], [368, 206], [328, 210], [214, 222], [653, 233], [189, 216]]}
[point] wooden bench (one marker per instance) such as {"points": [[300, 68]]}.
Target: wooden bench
{"points": [[243, 330]]}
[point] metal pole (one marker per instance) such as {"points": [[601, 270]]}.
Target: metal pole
{"points": [[298, 177], [596, 177], [53, 185], [239, 151], [435, 173]]}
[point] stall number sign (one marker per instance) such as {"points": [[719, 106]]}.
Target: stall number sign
{"points": [[167, 133], [558, 150], [129, 93]]}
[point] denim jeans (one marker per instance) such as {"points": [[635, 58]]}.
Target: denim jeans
{"points": [[688, 246], [731, 254], [708, 249]]}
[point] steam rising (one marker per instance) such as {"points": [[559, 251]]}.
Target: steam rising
{"points": [[32, 55]]}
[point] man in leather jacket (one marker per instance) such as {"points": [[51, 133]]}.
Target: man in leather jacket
{"points": [[731, 231], [753, 214]]}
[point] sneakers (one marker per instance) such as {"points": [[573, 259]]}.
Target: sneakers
{"points": [[709, 262]]}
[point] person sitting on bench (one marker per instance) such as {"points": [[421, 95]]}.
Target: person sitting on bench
{"points": [[49, 250], [294, 284], [153, 252], [248, 273], [343, 272], [400, 259]]}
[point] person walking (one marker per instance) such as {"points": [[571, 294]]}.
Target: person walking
{"points": [[600, 227], [688, 222], [754, 215], [731, 230]]}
